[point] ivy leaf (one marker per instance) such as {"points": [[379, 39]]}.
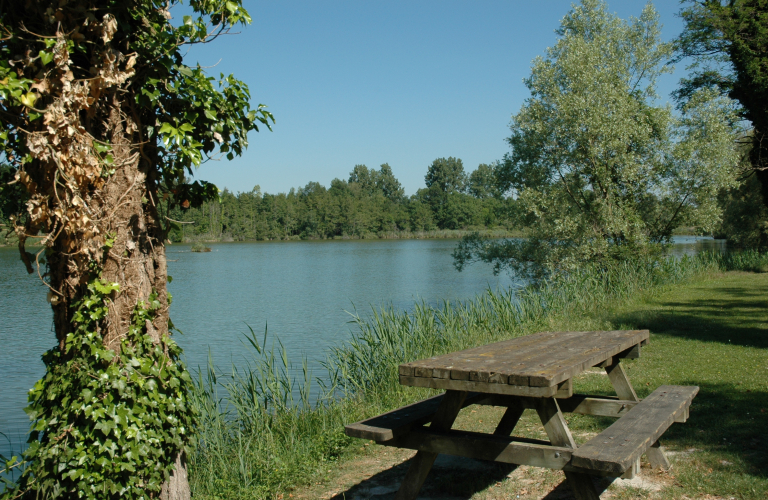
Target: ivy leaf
{"points": [[101, 148], [45, 57], [28, 99]]}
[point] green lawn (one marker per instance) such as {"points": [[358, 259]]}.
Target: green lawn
{"points": [[713, 334]]}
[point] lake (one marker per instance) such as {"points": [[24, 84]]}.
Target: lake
{"points": [[303, 291]]}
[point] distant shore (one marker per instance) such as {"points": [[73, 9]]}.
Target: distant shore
{"points": [[437, 234]]}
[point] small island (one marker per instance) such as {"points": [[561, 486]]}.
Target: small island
{"points": [[199, 247]]}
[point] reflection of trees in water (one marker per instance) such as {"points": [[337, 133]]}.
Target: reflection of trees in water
{"points": [[691, 245]]}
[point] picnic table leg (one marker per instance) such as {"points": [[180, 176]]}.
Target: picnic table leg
{"points": [[620, 382], [559, 435], [624, 390], [422, 462], [509, 420]]}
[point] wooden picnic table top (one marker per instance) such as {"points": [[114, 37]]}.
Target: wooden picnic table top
{"points": [[541, 360]]}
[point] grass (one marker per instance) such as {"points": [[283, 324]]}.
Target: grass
{"points": [[711, 333], [260, 435]]}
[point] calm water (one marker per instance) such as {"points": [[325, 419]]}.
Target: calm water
{"points": [[301, 290]]}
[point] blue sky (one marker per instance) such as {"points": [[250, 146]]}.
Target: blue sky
{"points": [[398, 82]]}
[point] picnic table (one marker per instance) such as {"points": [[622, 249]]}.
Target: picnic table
{"points": [[536, 372]]}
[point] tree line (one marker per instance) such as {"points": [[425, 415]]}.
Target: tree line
{"points": [[370, 203]]}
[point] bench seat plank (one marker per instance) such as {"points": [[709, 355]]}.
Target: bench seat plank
{"points": [[615, 449], [400, 421]]}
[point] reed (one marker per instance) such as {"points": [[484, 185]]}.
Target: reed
{"points": [[747, 260], [260, 433]]}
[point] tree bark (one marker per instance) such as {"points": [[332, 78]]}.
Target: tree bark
{"points": [[125, 213]]}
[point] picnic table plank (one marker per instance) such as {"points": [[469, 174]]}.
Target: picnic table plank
{"points": [[535, 372], [486, 387], [537, 361]]}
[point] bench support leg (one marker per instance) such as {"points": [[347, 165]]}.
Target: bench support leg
{"points": [[423, 460], [510, 419], [582, 486], [559, 435], [657, 457], [632, 471]]}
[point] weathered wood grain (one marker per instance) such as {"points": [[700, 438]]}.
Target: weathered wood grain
{"points": [[657, 457], [485, 447], [559, 435], [468, 385], [620, 382], [509, 419], [554, 423], [397, 422], [596, 405], [633, 470], [541, 360], [421, 464], [616, 448]]}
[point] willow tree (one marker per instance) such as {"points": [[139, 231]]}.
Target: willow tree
{"points": [[101, 120], [600, 170]]}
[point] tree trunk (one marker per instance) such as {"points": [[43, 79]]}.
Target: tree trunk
{"points": [[126, 214]]}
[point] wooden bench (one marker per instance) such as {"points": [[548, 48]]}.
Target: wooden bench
{"points": [[618, 447]]}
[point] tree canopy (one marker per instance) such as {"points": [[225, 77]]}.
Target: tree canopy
{"points": [[601, 171], [728, 42]]}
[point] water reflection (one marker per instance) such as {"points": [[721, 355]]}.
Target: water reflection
{"points": [[691, 245]]}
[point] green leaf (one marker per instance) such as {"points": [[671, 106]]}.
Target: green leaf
{"points": [[185, 70], [166, 128], [101, 148], [28, 99], [45, 57]]}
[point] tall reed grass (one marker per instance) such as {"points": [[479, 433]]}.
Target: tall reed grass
{"points": [[260, 434]]}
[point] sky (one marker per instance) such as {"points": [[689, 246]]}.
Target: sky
{"points": [[397, 82]]}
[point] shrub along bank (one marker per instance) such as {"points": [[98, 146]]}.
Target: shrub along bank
{"points": [[260, 433]]}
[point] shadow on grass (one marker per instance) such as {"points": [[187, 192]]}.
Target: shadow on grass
{"points": [[728, 422], [450, 478], [728, 315]]}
